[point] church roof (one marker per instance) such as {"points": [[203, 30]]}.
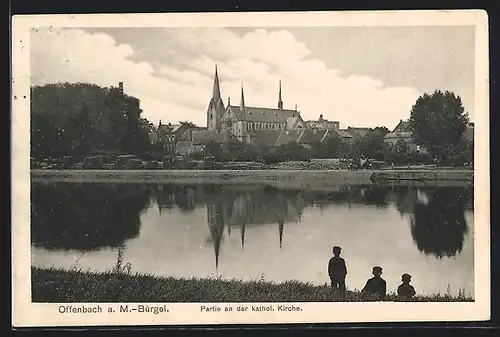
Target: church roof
{"points": [[263, 115]]}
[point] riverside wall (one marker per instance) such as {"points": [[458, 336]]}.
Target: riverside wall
{"points": [[279, 178]]}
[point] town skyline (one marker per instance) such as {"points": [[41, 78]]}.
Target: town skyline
{"points": [[171, 70]]}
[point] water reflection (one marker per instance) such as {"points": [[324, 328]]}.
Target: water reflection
{"points": [[438, 224], [86, 217], [183, 218], [231, 206]]}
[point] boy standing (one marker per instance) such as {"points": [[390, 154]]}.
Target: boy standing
{"points": [[405, 290], [337, 270]]}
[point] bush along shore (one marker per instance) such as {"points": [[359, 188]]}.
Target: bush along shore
{"points": [[60, 286]]}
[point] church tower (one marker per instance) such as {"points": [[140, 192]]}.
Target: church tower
{"points": [[280, 101], [216, 108]]}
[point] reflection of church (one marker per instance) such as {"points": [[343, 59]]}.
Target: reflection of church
{"points": [[230, 208], [248, 209]]}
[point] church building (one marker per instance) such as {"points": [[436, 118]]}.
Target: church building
{"points": [[247, 122]]}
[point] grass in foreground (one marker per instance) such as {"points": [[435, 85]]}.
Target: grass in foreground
{"points": [[56, 285]]}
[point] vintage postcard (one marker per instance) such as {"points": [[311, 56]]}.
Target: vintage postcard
{"points": [[232, 168]]}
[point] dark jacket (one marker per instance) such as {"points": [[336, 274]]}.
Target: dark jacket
{"points": [[337, 268], [406, 290], [377, 286]]}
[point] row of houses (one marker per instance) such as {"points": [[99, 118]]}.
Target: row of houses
{"points": [[186, 138]]}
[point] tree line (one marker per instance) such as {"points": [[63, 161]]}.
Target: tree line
{"points": [[82, 119]]}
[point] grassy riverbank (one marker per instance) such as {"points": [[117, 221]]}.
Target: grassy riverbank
{"points": [[55, 285]]}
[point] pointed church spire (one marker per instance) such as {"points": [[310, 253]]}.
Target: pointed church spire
{"points": [[217, 233], [243, 225], [280, 101], [242, 102], [216, 91]]}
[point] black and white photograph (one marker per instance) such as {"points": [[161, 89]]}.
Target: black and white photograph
{"points": [[237, 167]]}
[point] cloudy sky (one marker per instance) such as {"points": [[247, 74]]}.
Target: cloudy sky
{"points": [[360, 76]]}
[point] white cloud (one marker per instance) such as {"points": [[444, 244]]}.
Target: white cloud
{"points": [[259, 58]]}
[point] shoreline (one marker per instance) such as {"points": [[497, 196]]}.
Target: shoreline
{"points": [[288, 177], [64, 286]]}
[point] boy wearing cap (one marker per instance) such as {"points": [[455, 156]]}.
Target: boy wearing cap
{"points": [[405, 289], [337, 270], [376, 285]]}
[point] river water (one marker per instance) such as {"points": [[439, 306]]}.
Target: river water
{"points": [[256, 231]]}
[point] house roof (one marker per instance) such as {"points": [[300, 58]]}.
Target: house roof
{"points": [[264, 137], [310, 136], [342, 133], [398, 135], [294, 135], [285, 137], [403, 126], [361, 132], [203, 137], [359, 128], [263, 115], [165, 128], [325, 124]]}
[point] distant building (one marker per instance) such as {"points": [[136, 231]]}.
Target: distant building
{"points": [[403, 134], [167, 135], [245, 121], [322, 123], [184, 145], [359, 132], [345, 135]]}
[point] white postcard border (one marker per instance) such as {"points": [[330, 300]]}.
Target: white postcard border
{"points": [[27, 314]]}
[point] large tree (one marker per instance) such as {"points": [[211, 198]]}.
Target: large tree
{"points": [[78, 119], [438, 122]]}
